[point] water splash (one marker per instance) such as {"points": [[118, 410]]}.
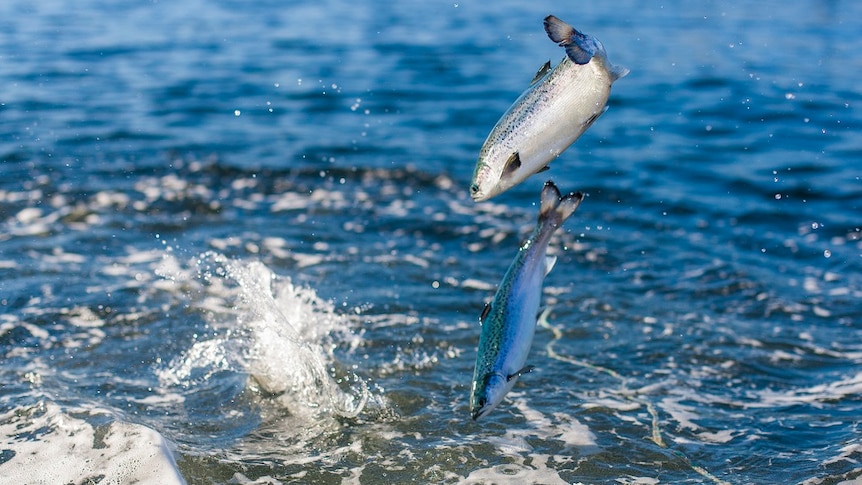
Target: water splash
{"points": [[282, 336]]}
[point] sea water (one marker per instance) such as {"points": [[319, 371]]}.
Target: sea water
{"points": [[237, 246]]}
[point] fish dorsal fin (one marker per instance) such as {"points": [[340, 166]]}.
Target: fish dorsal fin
{"points": [[550, 261], [485, 312], [522, 371], [579, 47], [512, 164], [541, 72]]}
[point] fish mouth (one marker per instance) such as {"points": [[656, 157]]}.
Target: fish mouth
{"points": [[485, 403], [480, 194], [480, 179], [480, 411], [482, 407], [476, 193]]}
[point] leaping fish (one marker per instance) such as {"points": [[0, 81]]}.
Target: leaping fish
{"points": [[559, 105], [509, 321]]}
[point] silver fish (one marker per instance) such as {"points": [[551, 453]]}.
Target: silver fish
{"points": [[559, 105], [509, 321]]}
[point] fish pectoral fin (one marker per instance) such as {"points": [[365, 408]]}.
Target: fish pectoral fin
{"points": [[594, 117], [512, 164], [579, 47], [485, 312], [524, 370], [550, 261], [541, 72]]}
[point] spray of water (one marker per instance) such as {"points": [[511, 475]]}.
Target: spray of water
{"points": [[283, 336]]}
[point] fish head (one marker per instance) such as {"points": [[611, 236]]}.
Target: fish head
{"points": [[496, 172], [485, 182], [487, 393]]}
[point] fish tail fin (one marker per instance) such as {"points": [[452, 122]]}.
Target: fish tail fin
{"points": [[555, 209], [579, 47]]}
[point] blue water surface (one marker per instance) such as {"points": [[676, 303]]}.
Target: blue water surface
{"points": [[246, 227]]}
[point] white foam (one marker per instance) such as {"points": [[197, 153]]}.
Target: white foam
{"points": [[682, 414], [264, 480], [719, 437], [515, 442], [475, 284], [846, 453], [49, 446], [814, 395], [517, 473], [84, 317], [574, 433]]}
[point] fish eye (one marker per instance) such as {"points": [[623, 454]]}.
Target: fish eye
{"points": [[482, 402], [474, 188]]}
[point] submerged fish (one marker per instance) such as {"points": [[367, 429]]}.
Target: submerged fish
{"points": [[550, 115], [509, 321]]}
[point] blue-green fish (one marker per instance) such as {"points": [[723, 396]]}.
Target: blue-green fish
{"points": [[560, 104], [509, 321]]}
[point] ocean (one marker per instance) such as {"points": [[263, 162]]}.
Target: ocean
{"points": [[237, 245]]}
